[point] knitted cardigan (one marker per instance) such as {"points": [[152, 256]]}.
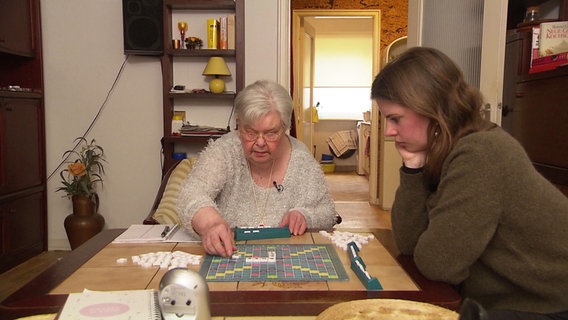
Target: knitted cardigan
{"points": [[494, 226], [221, 179]]}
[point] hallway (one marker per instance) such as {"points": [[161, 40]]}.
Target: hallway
{"points": [[351, 194]]}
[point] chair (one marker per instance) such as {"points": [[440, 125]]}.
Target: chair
{"points": [[164, 209]]}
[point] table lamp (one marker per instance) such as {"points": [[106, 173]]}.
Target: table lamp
{"points": [[216, 67]]}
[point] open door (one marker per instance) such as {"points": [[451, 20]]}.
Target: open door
{"points": [[303, 36], [303, 80]]}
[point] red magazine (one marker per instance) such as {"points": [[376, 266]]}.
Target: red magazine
{"points": [[549, 62]]}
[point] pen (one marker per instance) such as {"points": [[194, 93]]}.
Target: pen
{"points": [[166, 230]]}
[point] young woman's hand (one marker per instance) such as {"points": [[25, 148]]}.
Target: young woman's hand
{"points": [[413, 160]]}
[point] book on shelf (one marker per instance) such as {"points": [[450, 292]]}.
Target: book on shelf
{"points": [[189, 130], [223, 33], [553, 38], [212, 34], [535, 43], [231, 31], [549, 62], [124, 304]]}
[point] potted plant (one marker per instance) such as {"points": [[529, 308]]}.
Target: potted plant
{"points": [[193, 43], [79, 181]]}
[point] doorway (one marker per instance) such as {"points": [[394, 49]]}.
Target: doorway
{"points": [[309, 27]]}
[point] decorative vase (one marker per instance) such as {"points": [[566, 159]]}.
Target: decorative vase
{"points": [[85, 221]]}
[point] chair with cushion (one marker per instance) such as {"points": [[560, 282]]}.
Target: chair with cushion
{"points": [[164, 209]]}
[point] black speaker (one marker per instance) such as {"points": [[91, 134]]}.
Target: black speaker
{"points": [[143, 24]]}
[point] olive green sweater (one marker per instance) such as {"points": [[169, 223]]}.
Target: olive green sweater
{"points": [[494, 226]]}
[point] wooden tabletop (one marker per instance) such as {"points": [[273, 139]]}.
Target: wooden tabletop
{"points": [[94, 266]]}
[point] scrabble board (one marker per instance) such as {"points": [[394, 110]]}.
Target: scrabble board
{"points": [[276, 262]]}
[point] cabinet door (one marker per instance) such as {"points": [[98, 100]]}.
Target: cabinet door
{"points": [[20, 147], [21, 231], [16, 27], [541, 117]]}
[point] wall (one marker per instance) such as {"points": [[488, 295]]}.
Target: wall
{"points": [[83, 55], [394, 14]]}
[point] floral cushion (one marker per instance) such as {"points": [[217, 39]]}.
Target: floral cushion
{"points": [[166, 213]]}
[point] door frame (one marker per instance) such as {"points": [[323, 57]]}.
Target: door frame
{"points": [[303, 117]]}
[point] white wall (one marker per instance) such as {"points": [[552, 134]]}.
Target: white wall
{"points": [[83, 53]]}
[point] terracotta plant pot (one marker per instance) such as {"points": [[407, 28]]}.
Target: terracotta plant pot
{"points": [[85, 221]]}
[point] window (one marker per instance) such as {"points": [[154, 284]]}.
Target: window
{"points": [[342, 102]]}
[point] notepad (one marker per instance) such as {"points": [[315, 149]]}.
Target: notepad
{"points": [[145, 233], [116, 305]]}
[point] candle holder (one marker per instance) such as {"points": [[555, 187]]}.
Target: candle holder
{"points": [[182, 26]]}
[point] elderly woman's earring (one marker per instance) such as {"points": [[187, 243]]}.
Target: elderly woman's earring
{"points": [[436, 133]]}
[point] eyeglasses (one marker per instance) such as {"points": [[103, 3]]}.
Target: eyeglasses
{"points": [[251, 136]]}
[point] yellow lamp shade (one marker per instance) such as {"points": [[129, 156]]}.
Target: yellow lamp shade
{"points": [[216, 67]]}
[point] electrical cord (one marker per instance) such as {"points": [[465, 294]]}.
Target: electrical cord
{"points": [[99, 112], [230, 116]]}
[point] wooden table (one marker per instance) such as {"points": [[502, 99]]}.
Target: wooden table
{"points": [[94, 266]]}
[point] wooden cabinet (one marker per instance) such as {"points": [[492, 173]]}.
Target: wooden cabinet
{"points": [[535, 107], [22, 178], [184, 67], [23, 204], [20, 147], [22, 223], [16, 35]]}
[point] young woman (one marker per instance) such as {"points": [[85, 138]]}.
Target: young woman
{"points": [[470, 207]]}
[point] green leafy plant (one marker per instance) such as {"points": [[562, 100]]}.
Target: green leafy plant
{"points": [[81, 175]]}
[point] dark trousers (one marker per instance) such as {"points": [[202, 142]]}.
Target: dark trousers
{"points": [[519, 315]]}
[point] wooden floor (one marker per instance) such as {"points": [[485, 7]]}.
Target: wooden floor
{"points": [[350, 191]]}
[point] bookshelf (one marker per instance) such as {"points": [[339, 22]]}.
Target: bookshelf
{"points": [[184, 67]]}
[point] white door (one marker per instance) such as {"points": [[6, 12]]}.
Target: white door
{"points": [[472, 32], [303, 80], [493, 56], [476, 43]]}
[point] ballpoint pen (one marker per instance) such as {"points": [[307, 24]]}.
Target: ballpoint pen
{"points": [[166, 230]]}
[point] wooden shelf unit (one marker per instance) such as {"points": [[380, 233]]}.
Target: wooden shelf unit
{"points": [[23, 191], [169, 141]]}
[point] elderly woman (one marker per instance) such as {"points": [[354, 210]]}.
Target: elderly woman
{"points": [[471, 208], [256, 176]]}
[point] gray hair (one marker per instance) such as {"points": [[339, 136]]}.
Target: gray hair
{"points": [[261, 97]]}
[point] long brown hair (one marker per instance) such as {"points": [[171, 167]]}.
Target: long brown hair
{"points": [[428, 82]]}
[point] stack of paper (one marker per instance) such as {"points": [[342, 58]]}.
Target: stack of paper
{"points": [[144, 233]]}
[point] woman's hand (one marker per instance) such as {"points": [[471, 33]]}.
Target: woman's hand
{"points": [[413, 160], [295, 221], [216, 235]]}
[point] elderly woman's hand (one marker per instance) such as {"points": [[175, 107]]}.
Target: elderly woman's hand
{"points": [[216, 235], [295, 221]]}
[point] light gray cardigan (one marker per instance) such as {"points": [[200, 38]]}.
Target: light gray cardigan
{"points": [[221, 179]]}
